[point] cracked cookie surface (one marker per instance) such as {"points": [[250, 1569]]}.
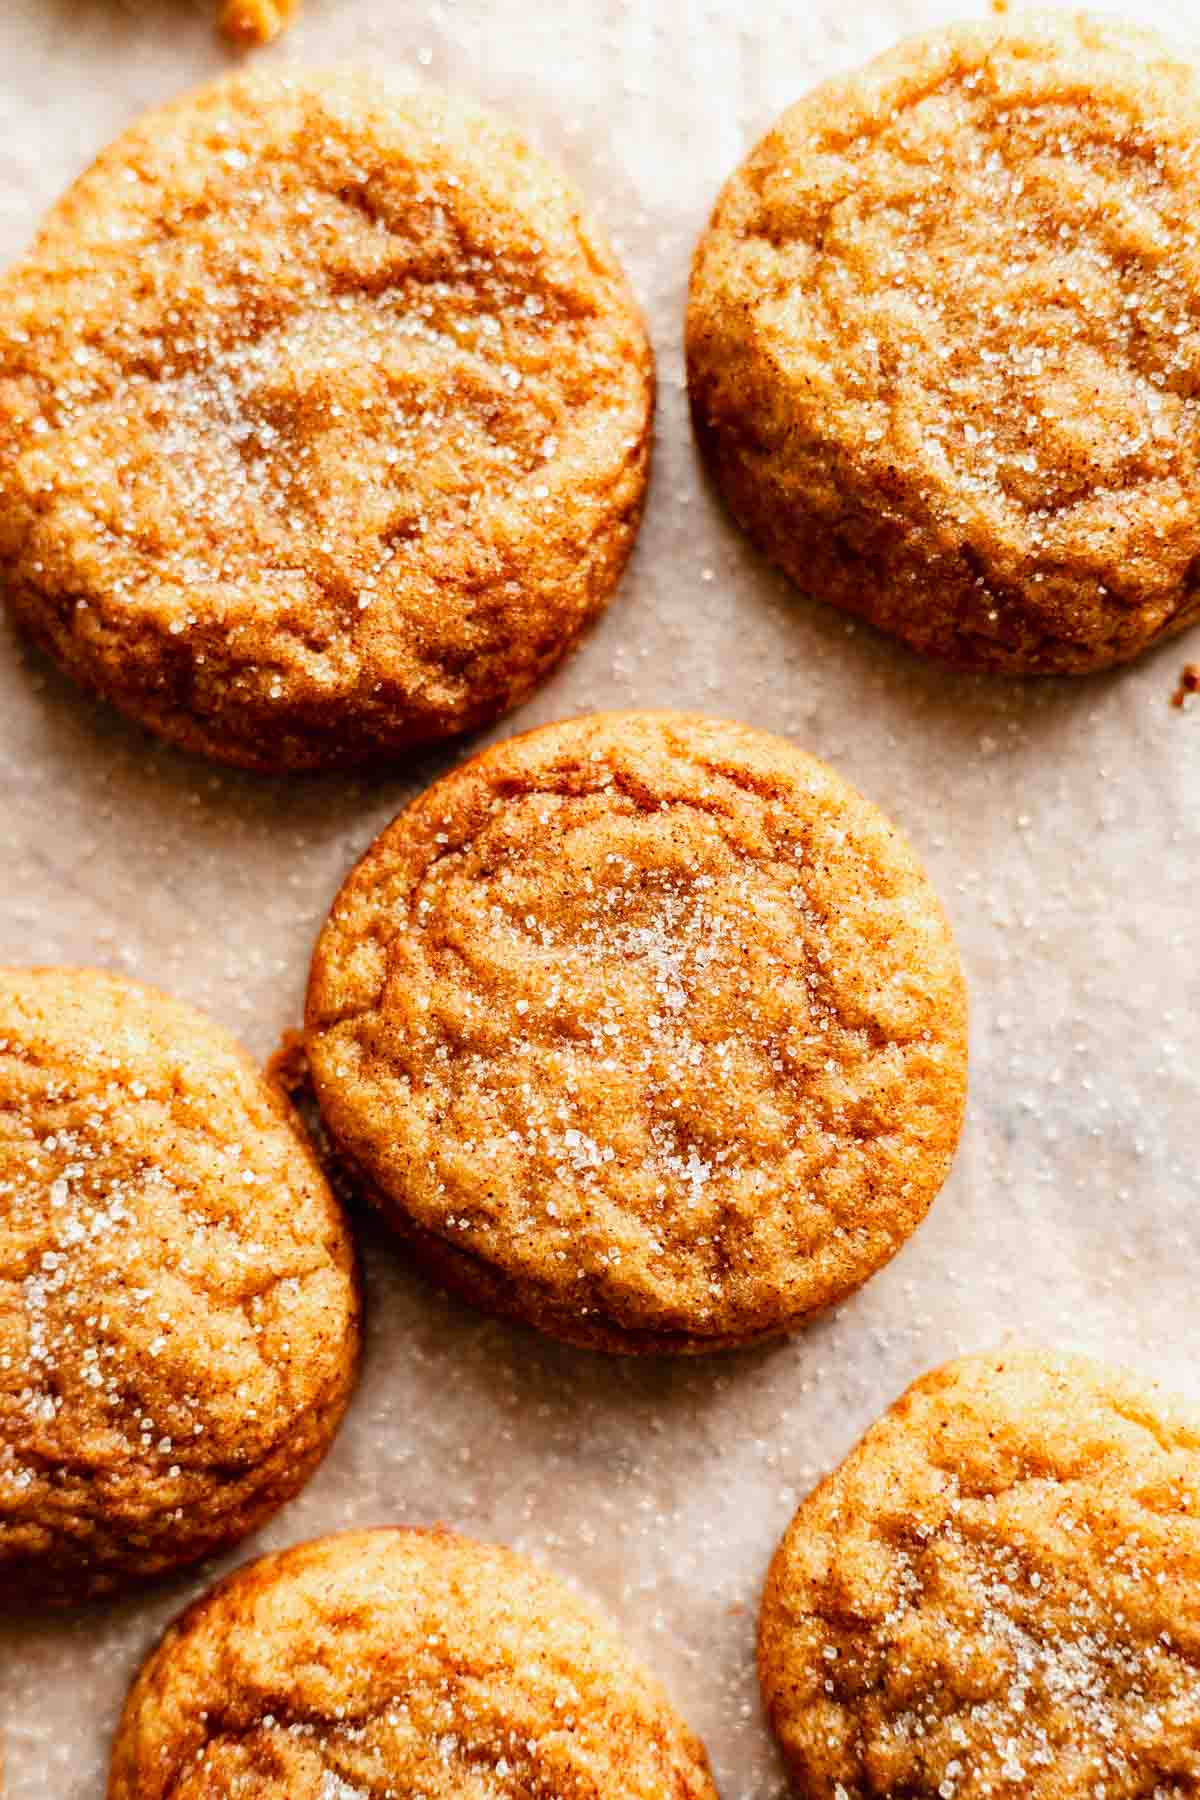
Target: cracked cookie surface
{"points": [[399, 1665], [179, 1318], [944, 343], [995, 1595], [324, 420], [644, 1028]]}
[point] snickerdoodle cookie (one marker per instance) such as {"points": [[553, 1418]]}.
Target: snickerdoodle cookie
{"points": [[996, 1595], [324, 420], [399, 1665], [179, 1317], [944, 343], [644, 1028]]}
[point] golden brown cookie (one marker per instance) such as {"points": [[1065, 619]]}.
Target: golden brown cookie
{"points": [[179, 1316], [644, 1028], [324, 420], [399, 1665], [944, 343], [995, 1595]]}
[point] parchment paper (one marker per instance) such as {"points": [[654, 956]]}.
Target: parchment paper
{"points": [[1059, 821]]}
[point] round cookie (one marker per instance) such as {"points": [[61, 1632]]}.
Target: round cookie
{"points": [[643, 1028], [324, 420], [944, 344], [179, 1315], [995, 1595], [408, 1664]]}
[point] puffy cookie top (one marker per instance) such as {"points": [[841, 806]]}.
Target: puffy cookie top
{"points": [[996, 1593], [323, 418], [399, 1663], [654, 1013], [959, 292], [177, 1289]]}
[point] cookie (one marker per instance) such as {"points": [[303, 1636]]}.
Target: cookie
{"points": [[324, 421], [645, 1029], [995, 1595], [944, 344], [179, 1316], [411, 1664]]}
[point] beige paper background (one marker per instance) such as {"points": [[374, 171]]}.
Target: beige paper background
{"points": [[1059, 821]]}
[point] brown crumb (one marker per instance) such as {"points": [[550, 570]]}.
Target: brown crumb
{"points": [[255, 21], [1189, 684], [287, 1068]]}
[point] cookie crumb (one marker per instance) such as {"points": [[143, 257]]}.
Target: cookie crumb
{"points": [[287, 1068], [255, 21], [1189, 684]]}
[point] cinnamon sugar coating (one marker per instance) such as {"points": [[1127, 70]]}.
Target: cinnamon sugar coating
{"points": [[645, 1028], [324, 420], [996, 1595], [399, 1665], [944, 343], [179, 1316]]}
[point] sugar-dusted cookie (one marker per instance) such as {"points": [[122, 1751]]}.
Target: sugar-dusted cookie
{"points": [[995, 1595], [944, 343], [179, 1317], [399, 1665], [645, 1028], [324, 420]]}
